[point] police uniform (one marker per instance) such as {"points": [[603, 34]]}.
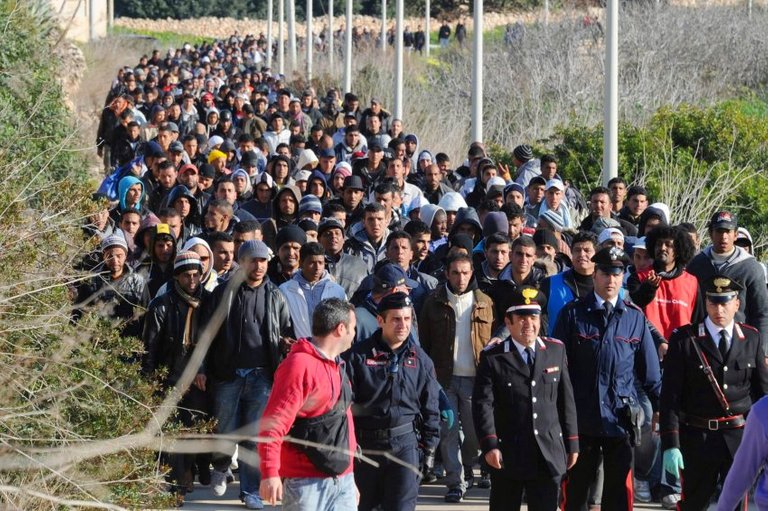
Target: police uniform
{"points": [[527, 412], [608, 350], [706, 427], [395, 409]]}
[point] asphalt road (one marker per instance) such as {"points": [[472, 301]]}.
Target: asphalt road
{"points": [[430, 499]]}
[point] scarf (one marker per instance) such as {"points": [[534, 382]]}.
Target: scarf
{"points": [[193, 301]]}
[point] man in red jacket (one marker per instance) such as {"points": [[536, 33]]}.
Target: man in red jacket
{"points": [[310, 402]]}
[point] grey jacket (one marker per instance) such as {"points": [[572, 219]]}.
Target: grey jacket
{"points": [[744, 268]]}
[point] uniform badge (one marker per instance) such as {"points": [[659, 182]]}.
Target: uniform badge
{"points": [[552, 369], [529, 294], [720, 283], [410, 362]]}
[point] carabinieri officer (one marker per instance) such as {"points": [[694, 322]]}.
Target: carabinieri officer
{"points": [[713, 372], [609, 349], [395, 408], [524, 412]]}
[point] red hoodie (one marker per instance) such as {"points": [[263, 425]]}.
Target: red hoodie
{"points": [[306, 385]]}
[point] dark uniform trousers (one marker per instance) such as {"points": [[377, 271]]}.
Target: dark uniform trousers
{"points": [[394, 484], [743, 378], [707, 459], [617, 456], [540, 492], [395, 397]]}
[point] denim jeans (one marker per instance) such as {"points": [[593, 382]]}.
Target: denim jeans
{"points": [[238, 405], [454, 451], [320, 494]]}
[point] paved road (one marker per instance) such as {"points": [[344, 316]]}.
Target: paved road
{"points": [[430, 499]]}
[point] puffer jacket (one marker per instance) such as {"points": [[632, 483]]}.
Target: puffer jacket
{"points": [[221, 358], [123, 299], [437, 329], [359, 246], [164, 335]]}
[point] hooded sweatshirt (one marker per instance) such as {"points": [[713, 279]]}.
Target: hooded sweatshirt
{"points": [[307, 384], [122, 191], [744, 268]]}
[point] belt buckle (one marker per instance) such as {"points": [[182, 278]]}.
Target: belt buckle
{"points": [[713, 424]]}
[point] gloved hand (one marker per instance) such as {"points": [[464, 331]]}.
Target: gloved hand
{"points": [[447, 414], [673, 461]]}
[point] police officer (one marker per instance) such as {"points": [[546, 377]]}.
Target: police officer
{"points": [[395, 408], [524, 411], [609, 346], [713, 372]]}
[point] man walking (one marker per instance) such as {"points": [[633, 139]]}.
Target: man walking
{"points": [[310, 400], [524, 411], [242, 360]]}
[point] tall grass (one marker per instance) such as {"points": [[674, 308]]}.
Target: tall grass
{"points": [[553, 76]]}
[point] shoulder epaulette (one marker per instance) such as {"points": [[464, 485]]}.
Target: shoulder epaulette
{"points": [[552, 340], [632, 305], [748, 327], [501, 347]]}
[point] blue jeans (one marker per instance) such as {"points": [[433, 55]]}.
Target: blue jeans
{"points": [[320, 494], [453, 450], [238, 405]]}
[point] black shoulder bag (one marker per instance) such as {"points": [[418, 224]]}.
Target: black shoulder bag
{"points": [[328, 433]]}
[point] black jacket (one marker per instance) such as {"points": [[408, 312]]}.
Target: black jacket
{"points": [[221, 359], [164, 335], [532, 420], [685, 388]]}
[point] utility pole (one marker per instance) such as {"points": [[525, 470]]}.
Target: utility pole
{"points": [[348, 50], [281, 37], [310, 41], [384, 26], [269, 33], [426, 30], [292, 35], [330, 38], [611, 101], [398, 111], [477, 74]]}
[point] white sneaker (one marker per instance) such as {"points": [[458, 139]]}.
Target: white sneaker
{"points": [[253, 501], [642, 491], [670, 501], [218, 483]]}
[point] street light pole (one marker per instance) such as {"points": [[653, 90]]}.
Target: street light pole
{"points": [[611, 101], [426, 30], [330, 38], [348, 50], [269, 33], [477, 74], [398, 113], [310, 41], [384, 26], [292, 34], [280, 37]]}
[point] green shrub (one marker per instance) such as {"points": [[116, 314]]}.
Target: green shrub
{"points": [[62, 388]]}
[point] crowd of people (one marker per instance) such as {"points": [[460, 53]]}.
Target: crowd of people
{"points": [[365, 292]]}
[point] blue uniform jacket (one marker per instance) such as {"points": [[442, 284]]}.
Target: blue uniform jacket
{"points": [[605, 360], [393, 388]]}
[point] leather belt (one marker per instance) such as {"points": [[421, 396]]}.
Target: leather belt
{"points": [[384, 434], [731, 422]]}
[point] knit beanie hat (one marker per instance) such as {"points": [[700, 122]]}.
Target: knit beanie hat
{"points": [[114, 240], [310, 203], [186, 261], [495, 222], [290, 233], [523, 152]]}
